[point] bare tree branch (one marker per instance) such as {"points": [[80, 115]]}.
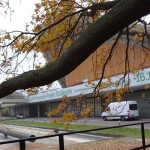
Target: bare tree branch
{"points": [[106, 62], [120, 16]]}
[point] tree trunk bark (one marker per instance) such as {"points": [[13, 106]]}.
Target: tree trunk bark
{"points": [[120, 16]]}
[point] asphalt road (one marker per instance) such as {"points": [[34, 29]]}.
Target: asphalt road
{"points": [[98, 121]]}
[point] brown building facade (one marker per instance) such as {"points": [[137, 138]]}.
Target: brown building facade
{"points": [[121, 61]]}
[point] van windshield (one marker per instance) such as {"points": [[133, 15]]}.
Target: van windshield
{"points": [[133, 107]]}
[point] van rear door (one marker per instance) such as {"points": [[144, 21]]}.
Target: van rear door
{"points": [[134, 112]]}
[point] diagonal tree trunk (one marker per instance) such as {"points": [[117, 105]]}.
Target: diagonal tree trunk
{"points": [[120, 16]]}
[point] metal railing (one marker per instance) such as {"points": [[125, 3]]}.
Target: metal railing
{"points": [[22, 142]]}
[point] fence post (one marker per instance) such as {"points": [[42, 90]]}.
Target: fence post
{"points": [[143, 136], [61, 142], [22, 145]]}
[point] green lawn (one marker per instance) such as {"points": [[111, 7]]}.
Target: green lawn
{"points": [[77, 127]]}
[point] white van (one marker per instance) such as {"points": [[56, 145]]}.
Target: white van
{"points": [[121, 110]]}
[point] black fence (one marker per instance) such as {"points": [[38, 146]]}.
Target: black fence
{"points": [[22, 142]]}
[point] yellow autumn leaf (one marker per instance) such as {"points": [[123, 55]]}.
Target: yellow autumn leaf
{"points": [[146, 87]]}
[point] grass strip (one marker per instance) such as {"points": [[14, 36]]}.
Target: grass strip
{"points": [[136, 133]]}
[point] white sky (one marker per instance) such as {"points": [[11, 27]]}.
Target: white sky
{"points": [[23, 10]]}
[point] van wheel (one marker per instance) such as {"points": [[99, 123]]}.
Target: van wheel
{"points": [[123, 118], [104, 118]]}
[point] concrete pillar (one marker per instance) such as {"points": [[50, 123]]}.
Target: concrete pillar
{"points": [[50, 106], [15, 111], [38, 107], [0, 112], [8, 111]]}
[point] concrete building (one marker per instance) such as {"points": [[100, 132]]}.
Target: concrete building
{"points": [[13, 100], [38, 105], [76, 83]]}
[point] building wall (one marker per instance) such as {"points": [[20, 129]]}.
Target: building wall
{"points": [[97, 104], [25, 110], [87, 72], [13, 111], [143, 100], [138, 59], [116, 65], [33, 110]]}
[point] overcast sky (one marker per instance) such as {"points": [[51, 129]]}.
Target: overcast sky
{"points": [[23, 10]]}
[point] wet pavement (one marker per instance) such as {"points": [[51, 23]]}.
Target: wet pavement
{"points": [[69, 139], [52, 142]]}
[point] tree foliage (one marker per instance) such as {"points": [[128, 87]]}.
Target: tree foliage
{"points": [[69, 32]]}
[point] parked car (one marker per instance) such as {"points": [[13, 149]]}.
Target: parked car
{"points": [[121, 110], [20, 116]]}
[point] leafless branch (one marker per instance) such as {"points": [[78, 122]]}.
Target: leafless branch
{"points": [[106, 62]]}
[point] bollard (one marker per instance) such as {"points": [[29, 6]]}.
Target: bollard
{"points": [[119, 123]]}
